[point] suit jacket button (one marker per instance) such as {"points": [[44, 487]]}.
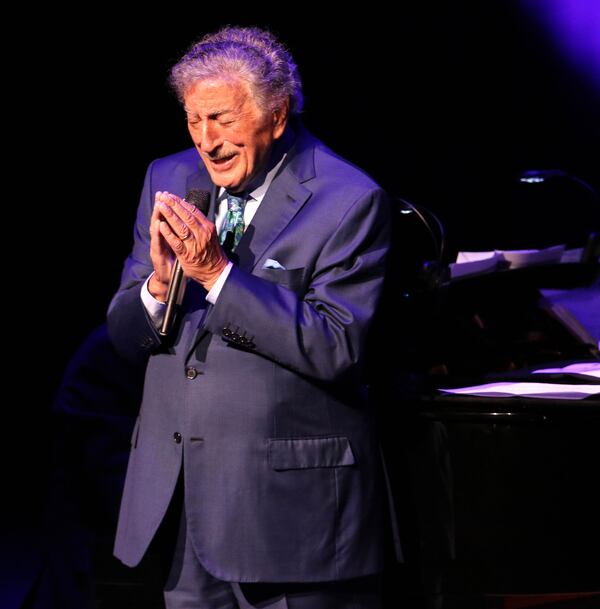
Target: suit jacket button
{"points": [[177, 437], [191, 373]]}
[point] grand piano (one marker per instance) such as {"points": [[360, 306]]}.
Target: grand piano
{"points": [[498, 498]]}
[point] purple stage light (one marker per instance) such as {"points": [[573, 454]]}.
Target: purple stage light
{"points": [[574, 27]]}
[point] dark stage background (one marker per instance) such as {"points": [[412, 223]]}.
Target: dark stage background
{"points": [[443, 103]]}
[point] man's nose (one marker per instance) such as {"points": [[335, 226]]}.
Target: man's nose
{"points": [[209, 138]]}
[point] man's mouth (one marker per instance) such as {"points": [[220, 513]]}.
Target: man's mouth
{"points": [[222, 160]]}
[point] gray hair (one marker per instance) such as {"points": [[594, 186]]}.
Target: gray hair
{"points": [[252, 54]]}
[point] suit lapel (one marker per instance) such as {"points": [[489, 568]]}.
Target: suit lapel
{"points": [[284, 199], [282, 202]]}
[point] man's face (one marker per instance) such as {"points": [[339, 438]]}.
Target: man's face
{"points": [[233, 136]]}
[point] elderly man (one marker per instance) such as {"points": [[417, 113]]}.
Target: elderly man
{"points": [[254, 411]]}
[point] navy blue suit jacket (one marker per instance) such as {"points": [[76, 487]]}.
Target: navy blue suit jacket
{"points": [[281, 461]]}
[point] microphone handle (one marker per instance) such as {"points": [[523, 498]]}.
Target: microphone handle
{"points": [[172, 298], [201, 200]]}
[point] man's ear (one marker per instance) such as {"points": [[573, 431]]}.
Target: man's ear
{"points": [[280, 118]]}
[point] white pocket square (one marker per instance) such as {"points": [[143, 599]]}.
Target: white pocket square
{"points": [[272, 264]]}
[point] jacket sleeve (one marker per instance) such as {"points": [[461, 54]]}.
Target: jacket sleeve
{"points": [[129, 327], [323, 333]]}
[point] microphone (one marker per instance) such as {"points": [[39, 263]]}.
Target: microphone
{"points": [[201, 200]]}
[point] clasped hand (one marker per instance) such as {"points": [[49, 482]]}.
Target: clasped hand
{"points": [[178, 229]]}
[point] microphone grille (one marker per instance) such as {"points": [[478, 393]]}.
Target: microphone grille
{"points": [[199, 198]]}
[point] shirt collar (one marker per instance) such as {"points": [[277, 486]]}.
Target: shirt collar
{"points": [[259, 192]]}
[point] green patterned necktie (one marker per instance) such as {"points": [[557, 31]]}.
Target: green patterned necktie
{"points": [[234, 220]]}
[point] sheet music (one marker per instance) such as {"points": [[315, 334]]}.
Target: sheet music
{"points": [[530, 390], [586, 368], [521, 258], [475, 263]]}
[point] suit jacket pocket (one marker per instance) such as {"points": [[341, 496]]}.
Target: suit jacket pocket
{"points": [[290, 278], [304, 453]]}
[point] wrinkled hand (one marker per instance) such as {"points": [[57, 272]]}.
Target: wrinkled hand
{"points": [[179, 229]]}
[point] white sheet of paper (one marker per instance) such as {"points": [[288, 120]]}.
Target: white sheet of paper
{"points": [[474, 263], [521, 258], [531, 390], [587, 368]]}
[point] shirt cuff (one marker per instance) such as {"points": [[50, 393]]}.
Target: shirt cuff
{"points": [[154, 308], [219, 283]]}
